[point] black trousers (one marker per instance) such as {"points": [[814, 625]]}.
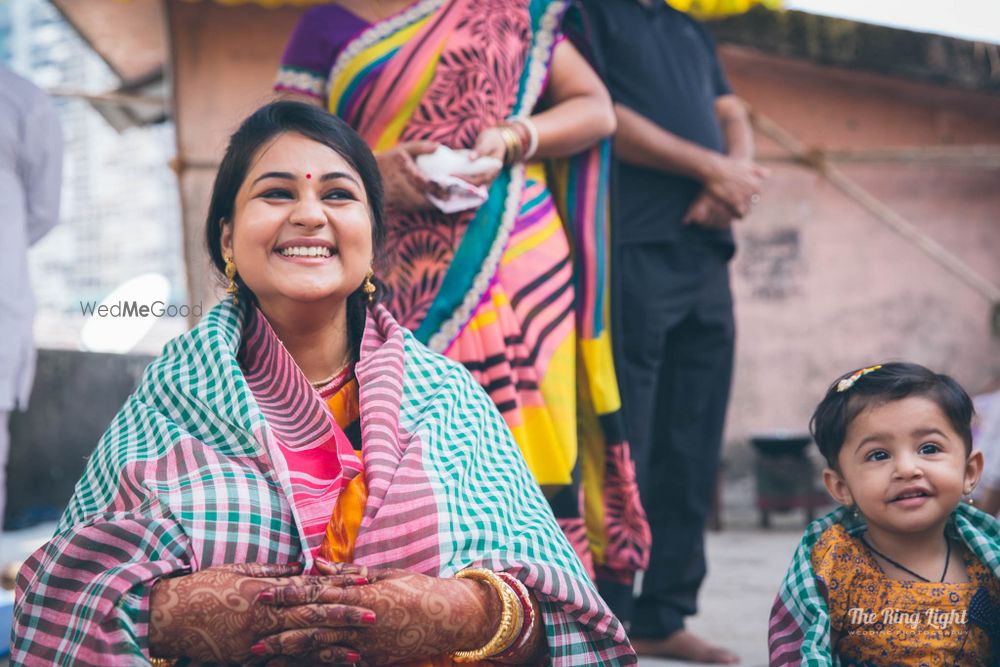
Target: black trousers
{"points": [[675, 335]]}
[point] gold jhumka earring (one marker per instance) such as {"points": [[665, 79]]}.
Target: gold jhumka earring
{"points": [[232, 290], [368, 287]]}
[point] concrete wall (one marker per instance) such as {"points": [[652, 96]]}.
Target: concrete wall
{"points": [[821, 286]]}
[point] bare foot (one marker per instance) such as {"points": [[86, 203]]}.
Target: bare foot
{"points": [[684, 645]]}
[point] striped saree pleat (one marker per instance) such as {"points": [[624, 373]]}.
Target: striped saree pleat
{"points": [[312, 455], [515, 290], [519, 343]]}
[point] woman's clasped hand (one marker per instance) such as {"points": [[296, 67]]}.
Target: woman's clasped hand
{"points": [[219, 615], [416, 616], [273, 615]]}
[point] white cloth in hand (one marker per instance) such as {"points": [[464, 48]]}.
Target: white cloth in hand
{"points": [[445, 166]]}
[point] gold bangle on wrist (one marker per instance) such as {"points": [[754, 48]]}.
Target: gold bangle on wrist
{"points": [[161, 662], [520, 128], [515, 148], [531, 145], [511, 618]]}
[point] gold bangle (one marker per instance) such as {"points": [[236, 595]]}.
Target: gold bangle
{"points": [[532, 130], [161, 662], [515, 149], [511, 618], [507, 148], [518, 145], [523, 136]]}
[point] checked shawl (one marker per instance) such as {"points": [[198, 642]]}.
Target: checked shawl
{"points": [[799, 629], [191, 474]]}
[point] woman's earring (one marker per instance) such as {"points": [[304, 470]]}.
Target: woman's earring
{"points": [[368, 287], [232, 290], [854, 511]]}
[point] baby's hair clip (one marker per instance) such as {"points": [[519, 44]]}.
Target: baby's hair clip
{"points": [[847, 383]]}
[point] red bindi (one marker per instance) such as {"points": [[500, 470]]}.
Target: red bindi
{"points": [[308, 176]]}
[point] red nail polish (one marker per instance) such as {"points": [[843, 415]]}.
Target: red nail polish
{"points": [[368, 618], [265, 596], [258, 649], [361, 581], [352, 656]]}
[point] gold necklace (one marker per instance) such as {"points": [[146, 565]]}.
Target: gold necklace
{"points": [[326, 381]]}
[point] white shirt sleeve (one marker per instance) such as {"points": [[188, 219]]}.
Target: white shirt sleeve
{"points": [[42, 169]]}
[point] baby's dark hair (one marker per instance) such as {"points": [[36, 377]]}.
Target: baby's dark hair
{"points": [[845, 400]]}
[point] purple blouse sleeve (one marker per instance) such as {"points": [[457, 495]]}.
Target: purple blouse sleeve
{"points": [[317, 40]]}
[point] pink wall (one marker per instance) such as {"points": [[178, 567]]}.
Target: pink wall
{"points": [[821, 286]]}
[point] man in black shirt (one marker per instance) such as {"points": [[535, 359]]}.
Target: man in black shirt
{"points": [[684, 173]]}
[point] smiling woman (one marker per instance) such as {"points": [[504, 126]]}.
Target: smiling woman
{"points": [[302, 241], [263, 180], [297, 479]]}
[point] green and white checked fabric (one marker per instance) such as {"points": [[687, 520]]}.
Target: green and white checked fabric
{"points": [[492, 513], [183, 480]]}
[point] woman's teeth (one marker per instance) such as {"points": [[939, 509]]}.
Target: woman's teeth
{"points": [[305, 251]]}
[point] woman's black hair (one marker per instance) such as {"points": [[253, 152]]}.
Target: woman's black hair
{"points": [[891, 382], [265, 124]]}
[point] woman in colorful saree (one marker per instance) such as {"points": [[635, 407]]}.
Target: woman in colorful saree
{"points": [[298, 480], [513, 289]]}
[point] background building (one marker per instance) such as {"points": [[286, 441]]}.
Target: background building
{"points": [[822, 284], [120, 214]]}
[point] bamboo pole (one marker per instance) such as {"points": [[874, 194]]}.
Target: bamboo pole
{"points": [[974, 156]]}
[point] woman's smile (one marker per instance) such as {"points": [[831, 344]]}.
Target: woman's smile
{"points": [[306, 251]]}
